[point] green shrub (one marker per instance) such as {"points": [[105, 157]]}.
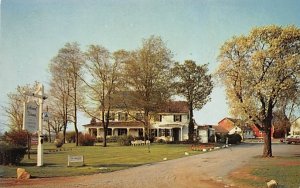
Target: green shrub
{"points": [[112, 138], [86, 140], [161, 141], [125, 140], [108, 139], [11, 154], [71, 137], [17, 138], [58, 143]]}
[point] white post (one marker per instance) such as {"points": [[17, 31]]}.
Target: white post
{"points": [[98, 132], [40, 148], [24, 115], [144, 133], [181, 134]]}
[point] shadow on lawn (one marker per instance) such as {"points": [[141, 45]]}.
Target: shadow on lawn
{"points": [[28, 164]]}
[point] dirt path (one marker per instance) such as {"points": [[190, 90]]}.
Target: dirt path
{"points": [[208, 170]]}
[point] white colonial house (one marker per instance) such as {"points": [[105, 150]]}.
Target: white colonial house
{"points": [[295, 127], [170, 123]]}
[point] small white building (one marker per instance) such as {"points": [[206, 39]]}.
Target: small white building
{"points": [[295, 127], [204, 132]]}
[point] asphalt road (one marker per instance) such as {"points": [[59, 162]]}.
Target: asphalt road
{"points": [[209, 170]]}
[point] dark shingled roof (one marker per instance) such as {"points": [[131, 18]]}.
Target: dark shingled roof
{"points": [[131, 100], [117, 124], [175, 107]]}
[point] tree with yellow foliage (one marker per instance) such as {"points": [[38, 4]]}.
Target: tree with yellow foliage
{"points": [[260, 70]]}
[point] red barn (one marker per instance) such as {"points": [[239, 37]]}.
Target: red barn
{"points": [[259, 132]]}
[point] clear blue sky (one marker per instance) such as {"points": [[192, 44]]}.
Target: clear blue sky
{"points": [[32, 32]]}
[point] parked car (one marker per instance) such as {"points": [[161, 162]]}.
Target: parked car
{"points": [[293, 139]]}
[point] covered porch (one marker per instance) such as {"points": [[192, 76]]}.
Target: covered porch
{"points": [[117, 131]]}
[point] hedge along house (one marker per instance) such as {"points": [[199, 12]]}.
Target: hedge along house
{"points": [[170, 123]]}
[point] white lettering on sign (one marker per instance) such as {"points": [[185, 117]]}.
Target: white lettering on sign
{"points": [[31, 116]]}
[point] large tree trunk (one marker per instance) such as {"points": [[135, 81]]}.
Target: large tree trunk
{"points": [[267, 123], [75, 118], [105, 134], [77, 134], [64, 133], [65, 124], [104, 127], [105, 131], [191, 123], [147, 126]]}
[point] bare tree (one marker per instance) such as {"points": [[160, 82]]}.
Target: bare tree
{"points": [[147, 73], [104, 71], [66, 68], [14, 109]]}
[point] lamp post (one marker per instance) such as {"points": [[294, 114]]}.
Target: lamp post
{"points": [[39, 93]]}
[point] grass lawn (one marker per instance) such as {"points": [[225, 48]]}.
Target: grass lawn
{"points": [[97, 159], [285, 170]]}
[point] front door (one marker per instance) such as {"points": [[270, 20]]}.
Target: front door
{"points": [[176, 132]]}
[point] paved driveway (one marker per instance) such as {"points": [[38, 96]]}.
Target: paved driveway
{"points": [[207, 170]]}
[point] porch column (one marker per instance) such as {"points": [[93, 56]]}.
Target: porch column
{"points": [[112, 131], [181, 134], [157, 132], [128, 133], [98, 132], [144, 134]]}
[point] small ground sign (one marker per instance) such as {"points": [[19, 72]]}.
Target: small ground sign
{"points": [[75, 159]]}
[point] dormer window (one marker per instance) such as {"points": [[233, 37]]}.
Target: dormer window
{"points": [[139, 116], [111, 116], [177, 118], [158, 118], [122, 116]]}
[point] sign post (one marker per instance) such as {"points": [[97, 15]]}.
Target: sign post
{"points": [[40, 152], [30, 121], [33, 116]]}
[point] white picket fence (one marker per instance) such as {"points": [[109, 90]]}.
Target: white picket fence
{"points": [[140, 142]]}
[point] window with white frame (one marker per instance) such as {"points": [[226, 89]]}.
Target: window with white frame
{"points": [[139, 116], [122, 116], [158, 118], [177, 118]]}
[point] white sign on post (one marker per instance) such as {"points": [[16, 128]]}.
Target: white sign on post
{"points": [[31, 113], [45, 116]]}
